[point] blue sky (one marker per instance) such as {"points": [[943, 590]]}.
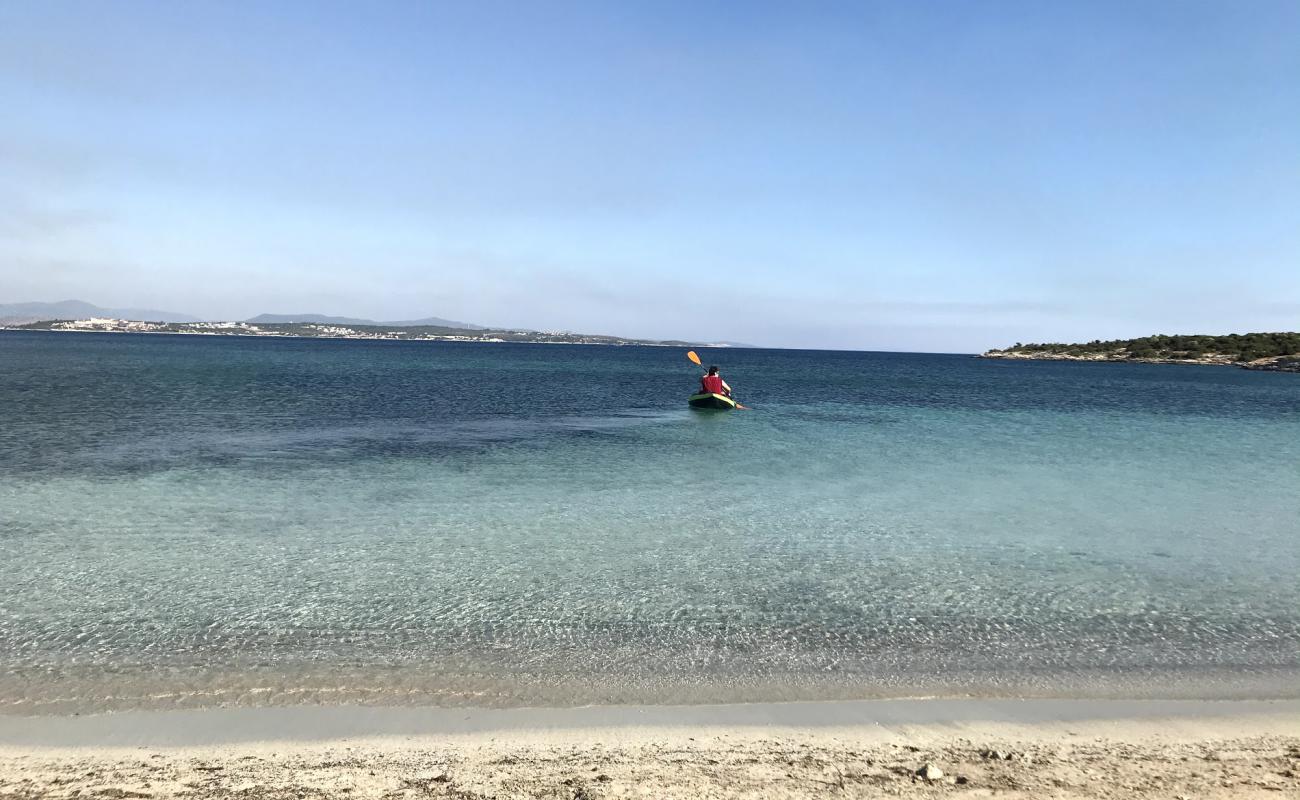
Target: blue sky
{"points": [[903, 175]]}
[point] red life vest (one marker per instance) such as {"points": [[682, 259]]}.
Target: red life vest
{"points": [[711, 384]]}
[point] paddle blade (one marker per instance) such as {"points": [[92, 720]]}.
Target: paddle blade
{"points": [[691, 355]]}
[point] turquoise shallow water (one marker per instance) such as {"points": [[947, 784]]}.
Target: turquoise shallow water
{"points": [[197, 521]]}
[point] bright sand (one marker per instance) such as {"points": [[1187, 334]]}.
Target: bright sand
{"points": [[977, 748]]}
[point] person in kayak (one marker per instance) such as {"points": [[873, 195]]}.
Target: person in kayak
{"points": [[714, 384]]}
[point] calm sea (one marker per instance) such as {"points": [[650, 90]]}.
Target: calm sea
{"points": [[199, 521]]}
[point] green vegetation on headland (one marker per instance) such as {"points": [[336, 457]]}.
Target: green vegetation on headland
{"points": [[315, 330], [1267, 351]]}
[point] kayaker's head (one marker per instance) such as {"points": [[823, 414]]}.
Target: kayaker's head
{"points": [[713, 370]]}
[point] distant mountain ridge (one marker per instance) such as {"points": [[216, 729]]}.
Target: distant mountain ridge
{"points": [[325, 319], [22, 313]]}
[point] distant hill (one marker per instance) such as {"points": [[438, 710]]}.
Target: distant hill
{"points": [[320, 319], [15, 314], [324, 319], [331, 330], [22, 313]]}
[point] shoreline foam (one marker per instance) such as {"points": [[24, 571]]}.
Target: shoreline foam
{"points": [[98, 689], [224, 726]]}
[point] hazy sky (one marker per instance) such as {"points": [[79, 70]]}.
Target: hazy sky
{"points": [[903, 175]]}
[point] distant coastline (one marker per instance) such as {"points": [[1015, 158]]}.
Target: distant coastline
{"points": [[314, 330], [1269, 352]]}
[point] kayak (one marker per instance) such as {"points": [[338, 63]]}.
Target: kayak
{"points": [[707, 400]]}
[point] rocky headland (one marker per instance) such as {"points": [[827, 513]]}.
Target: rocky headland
{"points": [[1270, 352]]}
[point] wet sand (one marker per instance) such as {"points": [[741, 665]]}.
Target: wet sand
{"points": [[1001, 748]]}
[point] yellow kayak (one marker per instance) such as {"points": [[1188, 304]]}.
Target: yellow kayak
{"points": [[707, 400]]}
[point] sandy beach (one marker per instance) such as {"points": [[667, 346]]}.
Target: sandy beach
{"points": [[921, 748]]}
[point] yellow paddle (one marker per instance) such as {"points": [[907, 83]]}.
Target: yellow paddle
{"points": [[695, 358]]}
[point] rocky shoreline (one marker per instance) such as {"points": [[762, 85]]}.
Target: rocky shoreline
{"points": [[1287, 363]]}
